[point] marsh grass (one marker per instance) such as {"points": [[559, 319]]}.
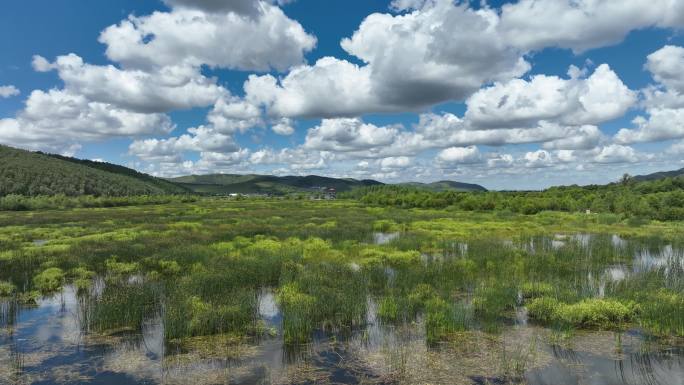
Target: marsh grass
{"points": [[200, 265]]}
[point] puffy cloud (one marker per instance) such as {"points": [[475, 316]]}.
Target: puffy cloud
{"points": [[459, 155], [616, 153], [169, 88], [8, 91], [395, 162], [283, 127], [243, 7], [662, 124], [501, 161], [577, 138], [566, 156], [230, 115], [584, 24], [442, 51], [667, 67], [409, 64], [196, 37], [538, 159], [330, 88], [199, 139], [59, 118], [664, 103], [297, 159], [349, 135], [520, 103]]}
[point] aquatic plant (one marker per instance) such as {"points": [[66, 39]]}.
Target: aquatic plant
{"points": [[663, 313], [594, 313], [49, 280], [536, 289], [121, 269], [297, 308], [7, 289]]}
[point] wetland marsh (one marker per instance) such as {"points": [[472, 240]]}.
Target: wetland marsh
{"points": [[220, 291]]}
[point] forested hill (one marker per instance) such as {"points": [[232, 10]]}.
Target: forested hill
{"points": [[32, 174], [660, 175], [445, 185], [265, 184]]}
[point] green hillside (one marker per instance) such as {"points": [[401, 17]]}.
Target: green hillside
{"points": [[445, 185], [660, 175], [31, 174], [265, 184]]}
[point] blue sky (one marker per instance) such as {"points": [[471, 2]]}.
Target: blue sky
{"points": [[395, 91]]}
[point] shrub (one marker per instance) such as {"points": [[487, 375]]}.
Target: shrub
{"points": [[536, 289], [83, 278], [50, 280], [594, 313], [121, 268], [6, 289], [544, 309]]}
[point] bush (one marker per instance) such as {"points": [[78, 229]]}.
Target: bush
{"points": [[536, 289], [592, 313], [49, 280], [6, 289]]}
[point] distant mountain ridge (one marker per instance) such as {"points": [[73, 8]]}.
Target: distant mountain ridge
{"points": [[34, 173], [265, 184], [445, 185], [270, 184], [659, 175]]}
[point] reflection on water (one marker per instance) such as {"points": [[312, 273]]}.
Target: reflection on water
{"points": [[49, 344], [384, 238]]}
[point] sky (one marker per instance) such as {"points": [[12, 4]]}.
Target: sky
{"points": [[510, 95]]}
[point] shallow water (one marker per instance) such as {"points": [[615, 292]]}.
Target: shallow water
{"points": [[48, 344]]}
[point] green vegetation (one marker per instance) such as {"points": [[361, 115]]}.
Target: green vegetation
{"points": [[35, 174], [661, 199], [201, 266], [6, 289], [49, 280], [588, 313]]}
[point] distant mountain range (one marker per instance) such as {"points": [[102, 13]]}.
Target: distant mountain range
{"points": [[269, 184], [445, 185], [265, 184], [36, 173], [659, 175]]}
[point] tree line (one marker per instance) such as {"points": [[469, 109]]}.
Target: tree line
{"points": [[661, 199]]}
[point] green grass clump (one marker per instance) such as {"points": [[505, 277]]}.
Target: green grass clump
{"points": [[594, 313], [7, 289], [663, 313], [49, 280], [385, 226], [536, 289], [388, 309], [83, 278], [121, 269], [297, 308], [443, 319], [493, 301]]}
